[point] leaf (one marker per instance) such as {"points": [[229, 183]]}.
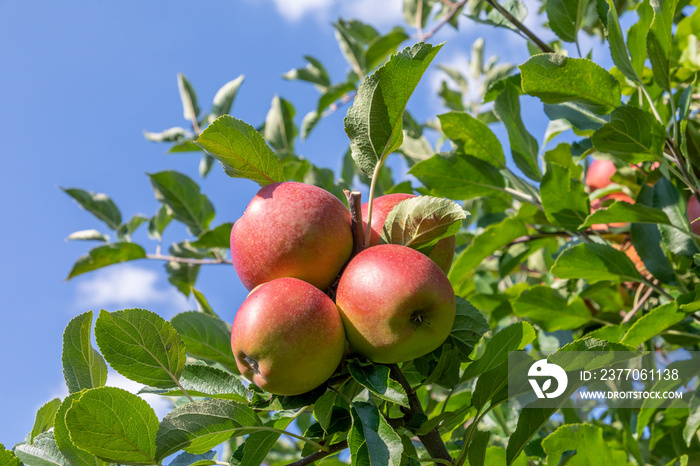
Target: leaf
{"points": [[376, 379], [412, 14], [621, 211], [653, 323], [203, 304], [190, 110], [183, 199], [556, 79], [219, 237], [157, 223], [458, 176], [477, 448], [493, 385], [646, 239], [375, 120], [618, 50], [205, 381], [510, 338], [659, 41], [280, 130], [188, 459], [473, 137], [580, 117], [88, 235], [42, 452], [83, 365], [564, 197], [591, 447], [523, 146], [114, 425], [382, 46], [637, 36], [44, 418], [98, 204], [565, 17], [669, 199], [126, 230], [691, 425], [205, 337], [371, 440], [241, 150], [109, 254], [258, 444], [223, 100], [468, 328], [74, 455], [632, 134], [314, 73], [141, 346], [352, 37], [200, 426], [595, 262], [420, 222], [550, 309], [8, 458]]}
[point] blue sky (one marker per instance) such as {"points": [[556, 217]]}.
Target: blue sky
{"points": [[82, 80]]}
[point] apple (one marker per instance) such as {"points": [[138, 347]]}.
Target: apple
{"points": [[693, 212], [599, 174], [443, 252], [287, 337], [597, 204], [291, 230], [396, 304]]}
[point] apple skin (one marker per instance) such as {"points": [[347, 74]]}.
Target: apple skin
{"points": [[396, 304], [291, 230], [599, 174], [693, 212], [287, 337], [597, 203], [443, 252]]}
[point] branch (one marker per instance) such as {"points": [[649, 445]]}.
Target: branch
{"points": [[432, 441], [358, 234], [187, 260], [514, 21], [313, 457]]}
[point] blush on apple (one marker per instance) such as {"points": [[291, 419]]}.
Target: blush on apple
{"points": [[599, 174], [693, 212], [396, 304], [291, 230], [443, 252], [287, 337]]}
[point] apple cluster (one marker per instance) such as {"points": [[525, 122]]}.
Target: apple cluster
{"points": [[292, 247]]}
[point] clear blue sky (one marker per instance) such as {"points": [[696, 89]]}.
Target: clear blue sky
{"points": [[81, 80]]}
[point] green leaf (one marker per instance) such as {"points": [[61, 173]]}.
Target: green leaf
{"points": [[182, 197], [280, 130], [126, 230], [175, 134], [458, 176], [548, 308], [621, 211], [205, 337], [382, 46], [44, 418], [141, 346], [188, 459], [510, 338], [477, 448], [591, 447], [98, 204], [659, 41], [157, 223], [376, 379], [523, 146], [223, 100], [314, 73], [450, 98], [691, 425], [669, 199], [8, 458], [564, 197], [42, 452], [618, 50], [637, 36], [258, 444], [200, 426], [203, 304], [420, 222], [323, 409], [190, 110], [103, 256], [653, 323], [114, 425], [595, 262], [557, 79], [565, 17], [646, 239], [468, 328], [492, 385], [413, 10], [241, 150], [372, 441], [74, 455], [83, 365], [375, 120], [473, 137], [633, 135], [219, 237], [352, 37], [88, 235], [205, 381], [182, 276], [580, 117]]}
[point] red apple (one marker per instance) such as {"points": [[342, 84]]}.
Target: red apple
{"points": [[443, 252], [291, 230], [693, 212], [597, 204], [599, 174], [287, 337], [396, 304]]}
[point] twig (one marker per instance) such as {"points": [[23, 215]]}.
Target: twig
{"points": [[187, 260], [638, 305], [455, 9], [514, 21], [358, 234], [419, 20], [313, 457]]}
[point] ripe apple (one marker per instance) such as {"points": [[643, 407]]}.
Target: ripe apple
{"points": [[443, 252], [693, 212], [396, 304], [597, 204], [599, 174], [291, 230], [287, 337]]}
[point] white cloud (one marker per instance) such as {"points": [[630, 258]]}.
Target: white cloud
{"points": [[294, 10], [384, 12], [126, 285]]}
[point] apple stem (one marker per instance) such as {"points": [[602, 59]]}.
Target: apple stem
{"points": [[355, 205]]}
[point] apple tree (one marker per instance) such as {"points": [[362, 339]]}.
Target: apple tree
{"points": [[591, 244]]}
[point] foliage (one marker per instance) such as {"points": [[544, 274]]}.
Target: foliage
{"points": [[536, 268]]}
